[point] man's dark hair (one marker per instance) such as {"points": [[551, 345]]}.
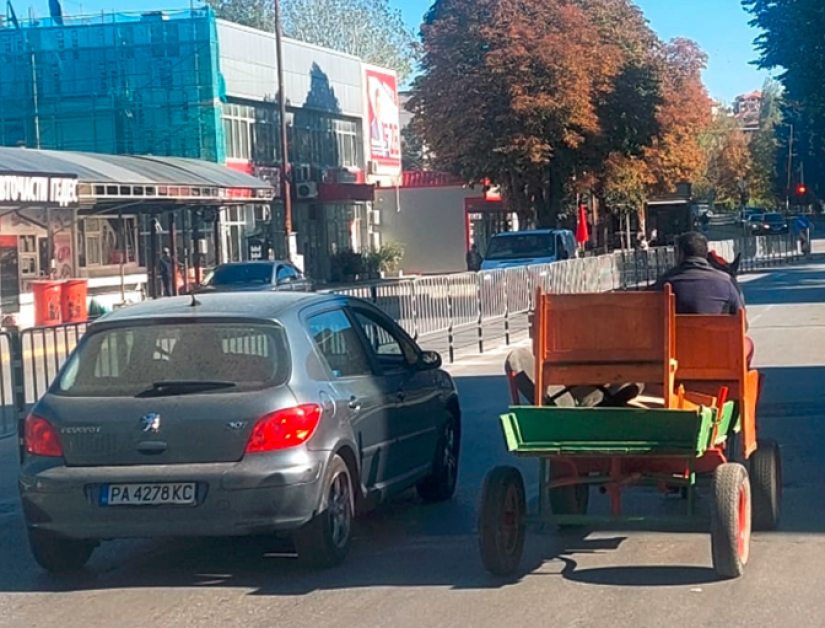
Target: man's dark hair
{"points": [[692, 244]]}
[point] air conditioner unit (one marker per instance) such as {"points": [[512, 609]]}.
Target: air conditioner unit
{"points": [[306, 190], [372, 167]]}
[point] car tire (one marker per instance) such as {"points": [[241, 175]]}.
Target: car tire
{"points": [[441, 484], [325, 541], [59, 555]]}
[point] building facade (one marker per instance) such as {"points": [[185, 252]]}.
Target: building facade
{"points": [[186, 84]]}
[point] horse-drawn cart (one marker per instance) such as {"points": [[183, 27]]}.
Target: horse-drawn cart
{"points": [[698, 432]]}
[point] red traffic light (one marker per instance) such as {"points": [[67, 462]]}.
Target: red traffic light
{"points": [[801, 189]]}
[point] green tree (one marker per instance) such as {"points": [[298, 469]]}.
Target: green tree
{"points": [[258, 14], [368, 29]]}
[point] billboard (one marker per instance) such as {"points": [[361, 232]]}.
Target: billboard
{"points": [[384, 124]]}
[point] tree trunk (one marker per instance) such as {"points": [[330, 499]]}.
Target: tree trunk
{"points": [[548, 215]]}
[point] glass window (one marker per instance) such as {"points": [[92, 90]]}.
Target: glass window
{"points": [[338, 343], [124, 362], [391, 349], [286, 273], [241, 274]]}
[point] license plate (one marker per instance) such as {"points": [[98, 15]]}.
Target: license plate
{"points": [[147, 494]]}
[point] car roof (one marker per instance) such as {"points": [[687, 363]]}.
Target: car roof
{"points": [[512, 234], [259, 262], [260, 305]]}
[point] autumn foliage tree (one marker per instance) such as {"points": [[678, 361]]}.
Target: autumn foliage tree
{"points": [[536, 94]]}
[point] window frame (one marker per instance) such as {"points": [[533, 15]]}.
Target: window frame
{"points": [[311, 313], [387, 362]]}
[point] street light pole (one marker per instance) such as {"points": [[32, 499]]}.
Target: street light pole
{"points": [[790, 170], [285, 166]]}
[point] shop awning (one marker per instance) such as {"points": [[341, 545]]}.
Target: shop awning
{"points": [[107, 180]]}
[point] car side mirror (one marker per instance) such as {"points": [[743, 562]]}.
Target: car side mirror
{"points": [[429, 361]]}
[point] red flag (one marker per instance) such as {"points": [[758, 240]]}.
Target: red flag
{"points": [[582, 234]]}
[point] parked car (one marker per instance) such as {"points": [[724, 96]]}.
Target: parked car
{"points": [[256, 276], [520, 248], [235, 414]]}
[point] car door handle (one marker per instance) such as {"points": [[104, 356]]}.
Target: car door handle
{"points": [[354, 404]]}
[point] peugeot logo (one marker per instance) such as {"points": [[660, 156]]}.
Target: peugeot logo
{"points": [[150, 423]]}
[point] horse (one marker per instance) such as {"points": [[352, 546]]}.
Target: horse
{"points": [[729, 268]]}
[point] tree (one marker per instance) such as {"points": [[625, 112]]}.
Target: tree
{"points": [[792, 36], [520, 92], [258, 14], [766, 185], [414, 155], [676, 154], [793, 32], [368, 29]]}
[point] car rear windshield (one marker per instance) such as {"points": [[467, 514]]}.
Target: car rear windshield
{"points": [[528, 246], [207, 357], [241, 274]]}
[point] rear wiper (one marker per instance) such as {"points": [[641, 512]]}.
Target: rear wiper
{"points": [[168, 388]]}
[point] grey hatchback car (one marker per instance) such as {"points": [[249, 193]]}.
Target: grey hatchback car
{"points": [[235, 414]]}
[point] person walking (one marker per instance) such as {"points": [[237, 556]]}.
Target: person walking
{"points": [[166, 268], [474, 259]]}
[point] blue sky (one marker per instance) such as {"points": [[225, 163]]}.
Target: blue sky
{"points": [[720, 27]]}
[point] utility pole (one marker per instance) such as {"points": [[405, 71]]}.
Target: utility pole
{"points": [[285, 167], [790, 171]]}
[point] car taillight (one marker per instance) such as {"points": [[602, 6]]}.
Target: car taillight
{"points": [[41, 438], [284, 429]]}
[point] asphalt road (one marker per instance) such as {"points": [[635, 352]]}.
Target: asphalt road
{"points": [[415, 565]]}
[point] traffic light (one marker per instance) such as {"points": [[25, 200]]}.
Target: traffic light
{"points": [[802, 195]]}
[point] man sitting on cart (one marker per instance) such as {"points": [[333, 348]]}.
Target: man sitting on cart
{"points": [[699, 287]]}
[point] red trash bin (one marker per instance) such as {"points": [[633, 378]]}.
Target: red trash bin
{"points": [[73, 300], [47, 297]]}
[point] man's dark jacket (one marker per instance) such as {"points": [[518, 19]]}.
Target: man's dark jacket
{"points": [[701, 289]]}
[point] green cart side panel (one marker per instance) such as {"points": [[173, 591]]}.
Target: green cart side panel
{"points": [[607, 431]]}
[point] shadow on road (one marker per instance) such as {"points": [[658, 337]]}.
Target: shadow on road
{"points": [[654, 576], [788, 286]]}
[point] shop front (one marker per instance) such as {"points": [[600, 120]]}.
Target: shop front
{"points": [[67, 216], [38, 222]]}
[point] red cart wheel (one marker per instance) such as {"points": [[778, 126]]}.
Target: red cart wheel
{"points": [[730, 533], [501, 523]]}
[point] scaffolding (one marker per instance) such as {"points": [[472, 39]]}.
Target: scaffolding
{"points": [[120, 83]]}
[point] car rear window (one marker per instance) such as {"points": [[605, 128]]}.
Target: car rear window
{"points": [[126, 361], [241, 274]]}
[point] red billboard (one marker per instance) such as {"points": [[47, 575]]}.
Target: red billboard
{"points": [[384, 120]]}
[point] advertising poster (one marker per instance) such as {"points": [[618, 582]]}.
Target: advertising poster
{"points": [[384, 120]]}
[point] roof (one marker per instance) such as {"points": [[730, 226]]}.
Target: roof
{"points": [[262, 305], [108, 178]]}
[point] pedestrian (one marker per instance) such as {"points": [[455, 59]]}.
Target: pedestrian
{"points": [[474, 259], [166, 268], [802, 226], [705, 221]]}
